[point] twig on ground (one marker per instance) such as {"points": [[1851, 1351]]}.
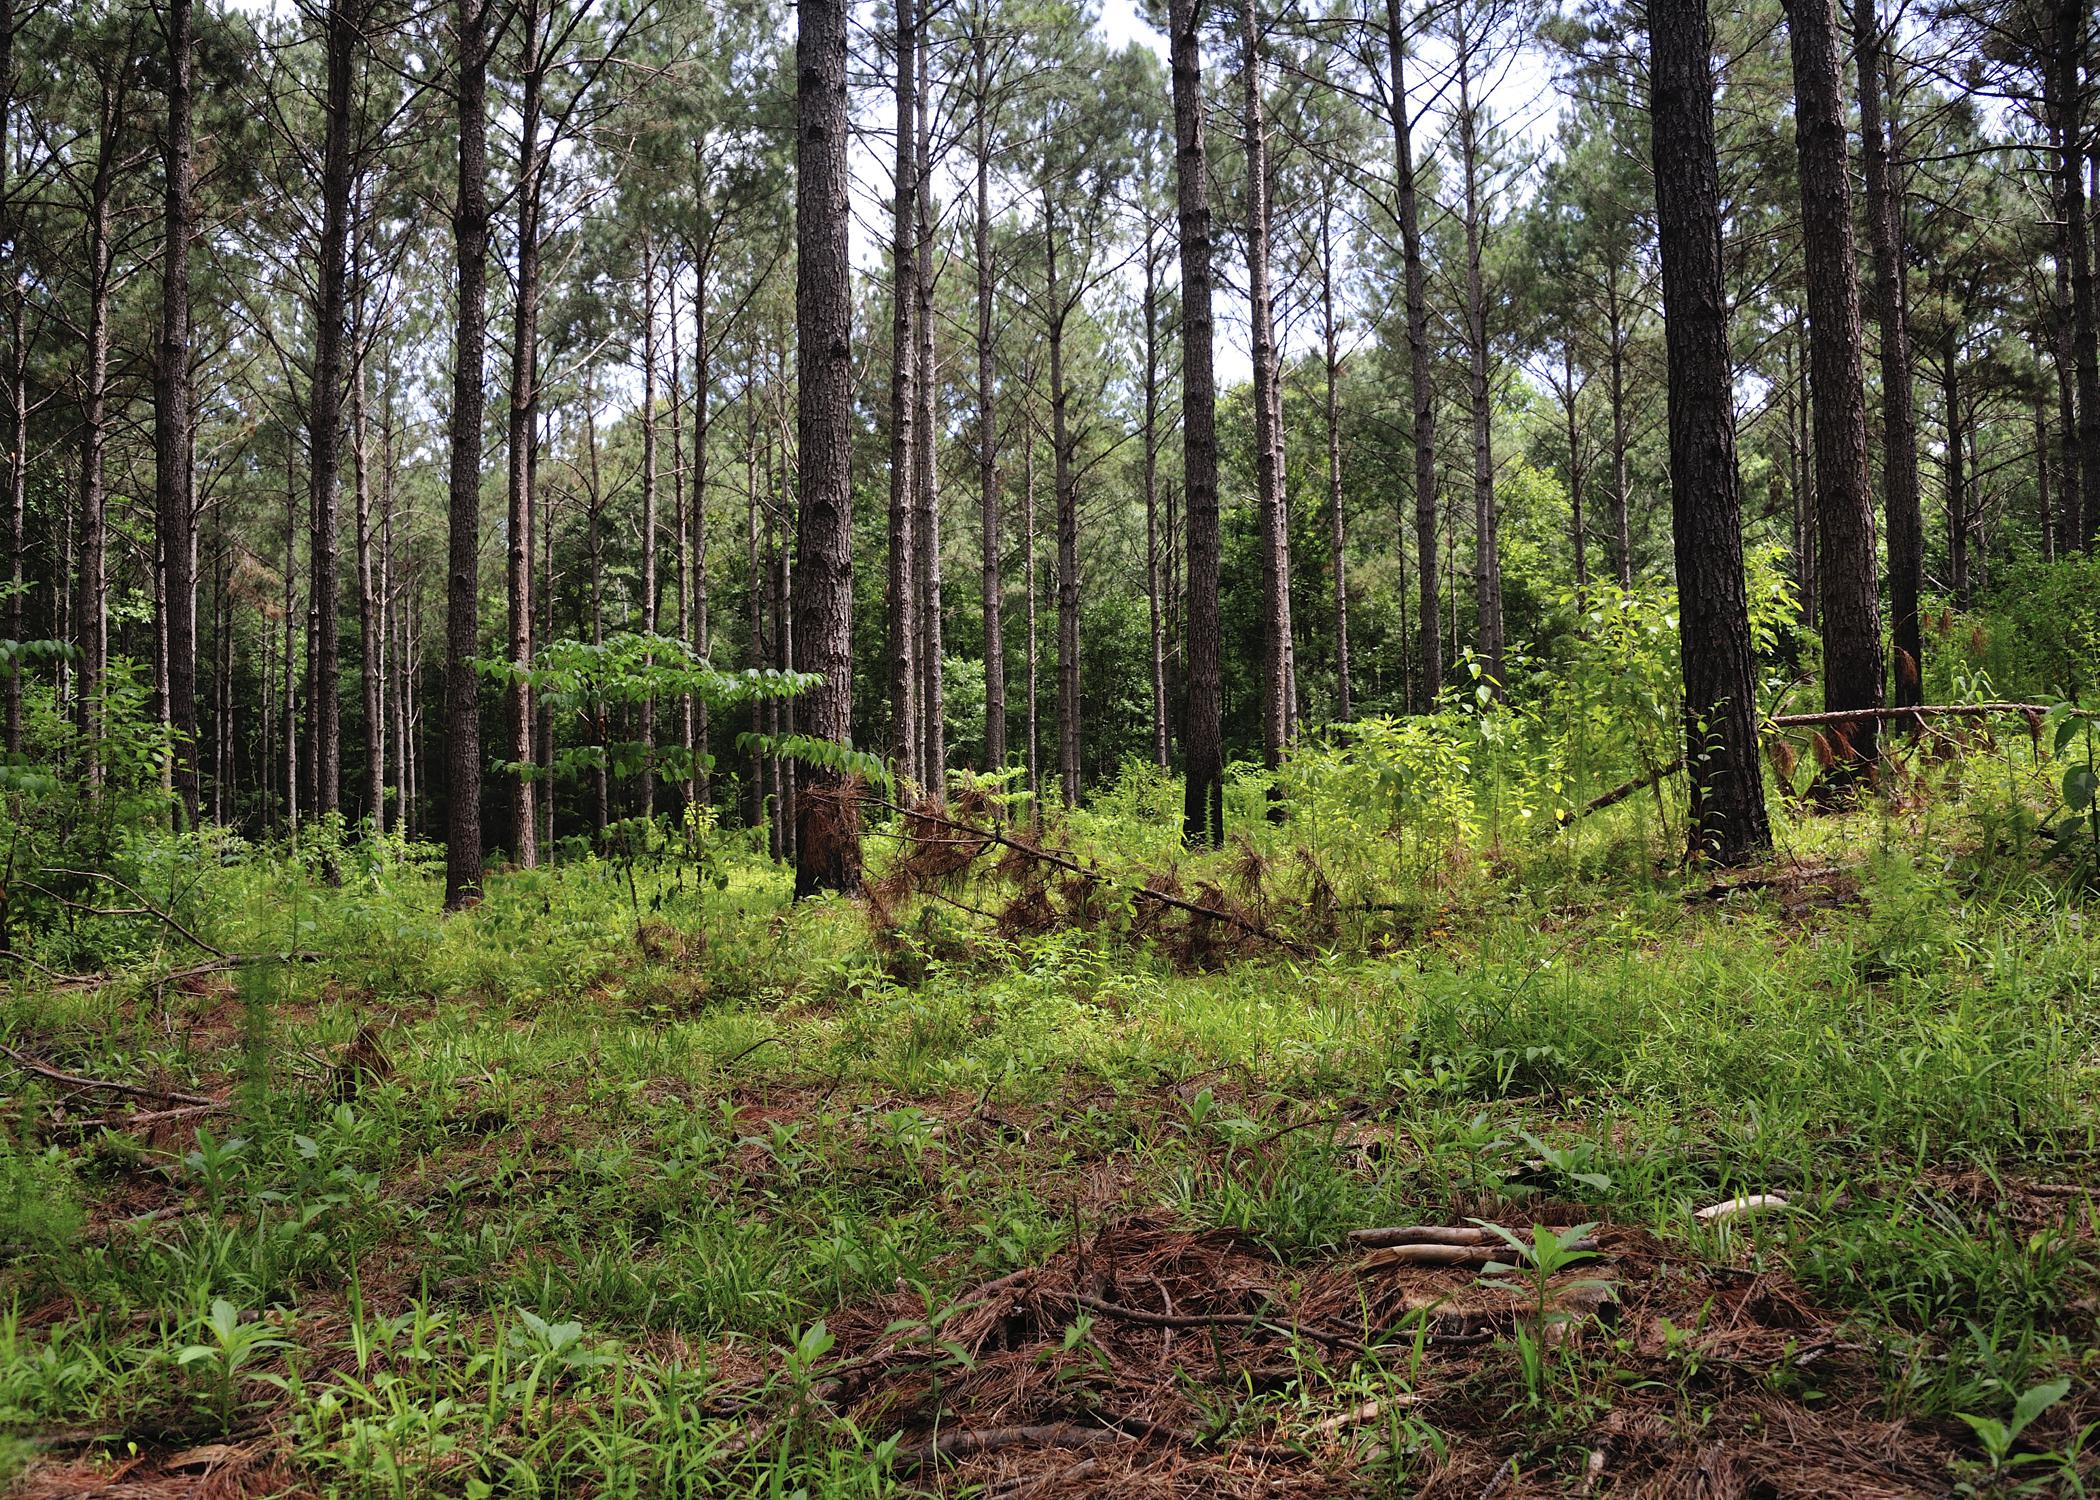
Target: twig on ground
{"points": [[29, 1064], [1425, 1234], [1458, 1257], [1370, 1411], [144, 1117]]}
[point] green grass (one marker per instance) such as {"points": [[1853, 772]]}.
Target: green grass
{"points": [[581, 1235]]}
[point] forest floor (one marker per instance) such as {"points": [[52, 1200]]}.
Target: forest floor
{"points": [[728, 1200]]}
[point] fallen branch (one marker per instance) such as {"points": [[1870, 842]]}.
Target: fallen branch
{"points": [[29, 1064], [1463, 1257], [145, 1117], [1426, 1234], [974, 833], [1627, 789], [1370, 1411], [1740, 1206]]}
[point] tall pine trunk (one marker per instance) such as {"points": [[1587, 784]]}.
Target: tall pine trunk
{"points": [[903, 620], [1422, 393], [1487, 518], [1337, 522], [470, 248], [1202, 734], [1153, 583], [1850, 559], [650, 516], [827, 846], [926, 512], [1728, 819], [324, 412], [1268, 441], [1899, 471], [521, 445], [993, 580], [91, 613], [172, 416], [1066, 486]]}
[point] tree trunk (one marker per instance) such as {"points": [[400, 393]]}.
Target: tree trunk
{"points": [[1728, 820], [993, 581], [2072, 27], [470, 244], [904, 408], [1578, 476], [17, 476], [1035, 723], [827, 844], [324, 412], [1202, 735], [926, 523], [1957, 480], [1422, 391], [371, 649], [1160, 749], [522, 432], [1487, 522], [1268, 441], [1066, 486], [172, 416], [1899, 472], [650, 527], [703, 419], [1338, 530], [92, 613], [1850, 562], [1621, 482]]}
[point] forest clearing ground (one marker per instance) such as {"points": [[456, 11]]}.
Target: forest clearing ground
{"points": [[504, 1206]]}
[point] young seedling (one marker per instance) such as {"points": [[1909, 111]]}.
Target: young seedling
{"points": [[228, 1346], [1998, 1436]]}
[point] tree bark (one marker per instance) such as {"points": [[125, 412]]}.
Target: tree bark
{"points": [[521, 445], [172, 417], [1338, 530], [1621, 482], [1202, 735], [1899, 470], [1422, 391], [826, 844], [1728, 819], [926, 522], [902, 602], [1028, 587], [1153, 586], [324, 412], [1268, 441], [650, 516], [1850, 561], [1487, 521], [1066, 488], [2072, 19], [470, 246], [993, 584], [92, 612]]}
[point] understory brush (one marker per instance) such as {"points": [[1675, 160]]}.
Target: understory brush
{"points": [[631, 1182]]}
